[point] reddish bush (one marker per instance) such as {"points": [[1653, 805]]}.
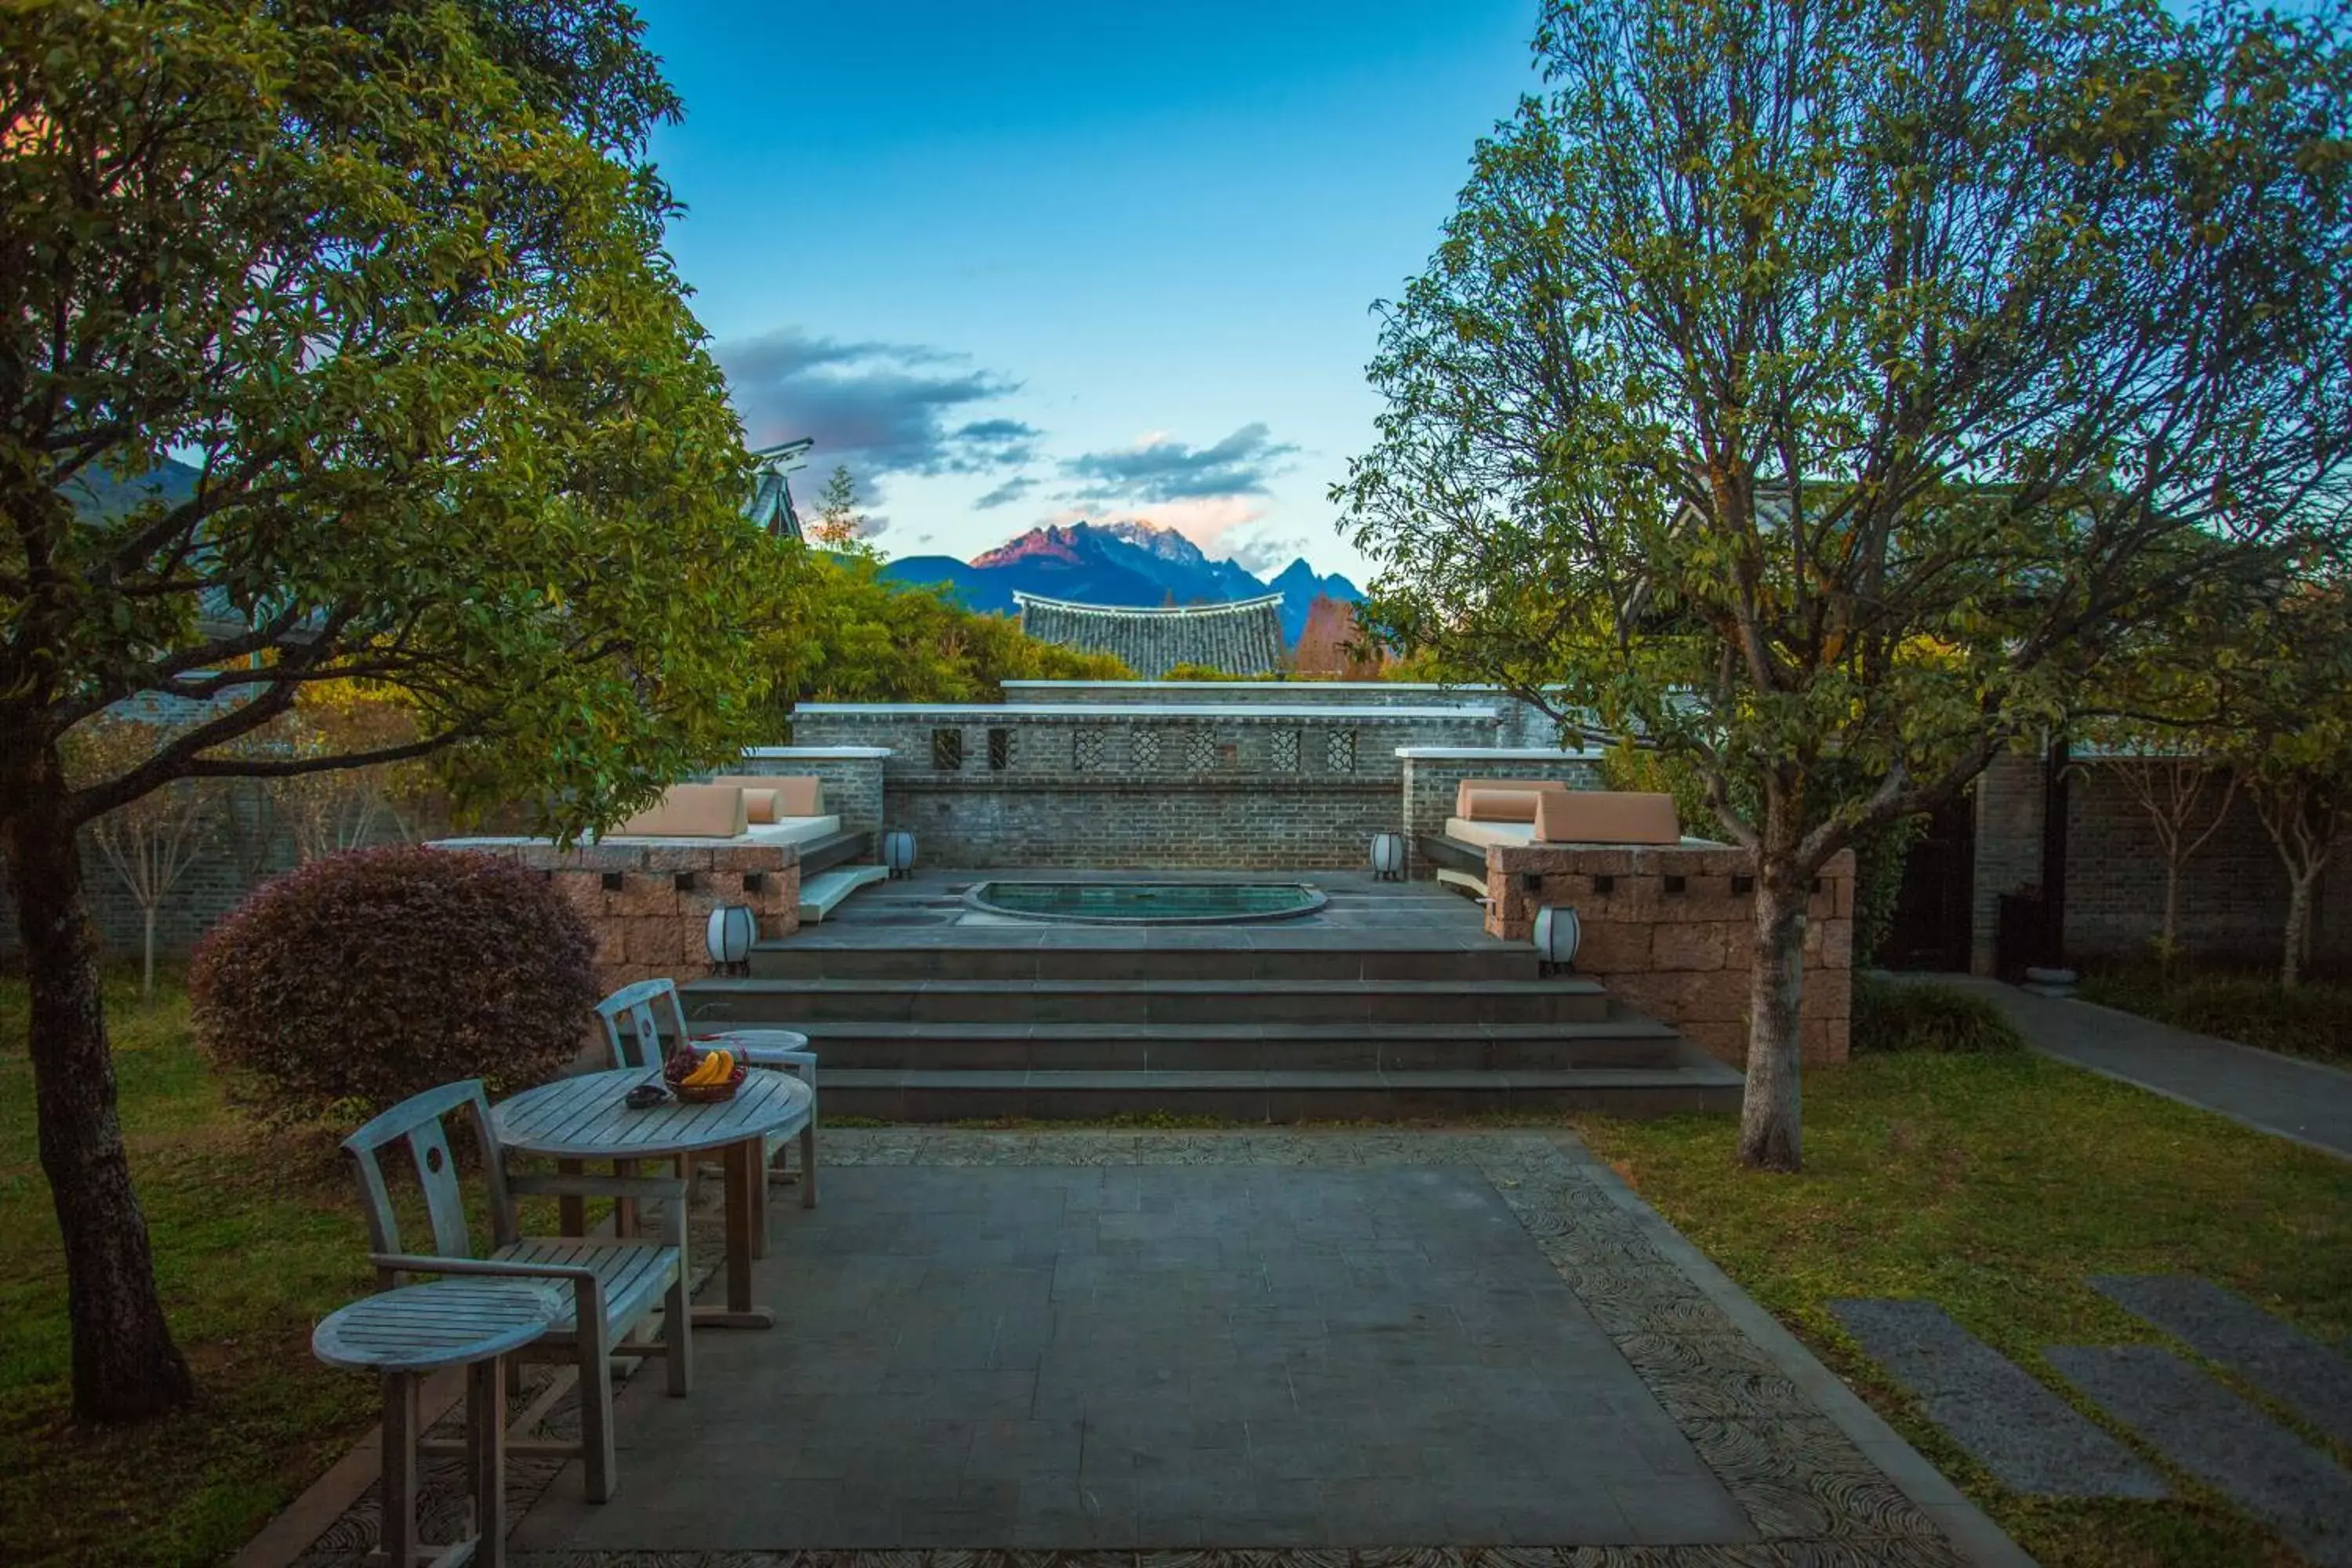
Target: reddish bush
{"points": [[365, 977]]}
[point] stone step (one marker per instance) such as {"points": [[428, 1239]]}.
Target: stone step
{"points": [[797, 1003], [1618, 1042], [1693, 1083], [853, 954], [824, 893]]}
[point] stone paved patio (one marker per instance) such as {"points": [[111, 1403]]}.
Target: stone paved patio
{"points": [[1428, 1346]]}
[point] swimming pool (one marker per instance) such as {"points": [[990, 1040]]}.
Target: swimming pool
{"points": [[1146, 903]]}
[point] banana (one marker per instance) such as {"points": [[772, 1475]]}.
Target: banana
{"points": [[728, 1070], [706, 1071]]}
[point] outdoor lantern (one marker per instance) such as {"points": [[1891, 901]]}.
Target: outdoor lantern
{"points": [[729, 936], [1388, 856], [898, 851], [1555, 937]]}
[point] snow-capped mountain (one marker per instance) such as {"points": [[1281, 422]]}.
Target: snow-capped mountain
{"points": [[1118, 564]]}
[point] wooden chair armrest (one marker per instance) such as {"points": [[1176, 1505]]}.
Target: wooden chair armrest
{"points": [[587, 1290]]}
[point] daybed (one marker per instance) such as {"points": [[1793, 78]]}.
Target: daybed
{"points": [[1530, 812], [755, 809]]}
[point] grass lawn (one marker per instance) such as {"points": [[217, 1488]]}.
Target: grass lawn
{"points": [[1993, 1185], [2314, 1019], [257, 1238]]}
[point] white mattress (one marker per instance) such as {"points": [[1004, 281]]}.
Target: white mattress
{"points": [[1462, 830], [792, 830]]}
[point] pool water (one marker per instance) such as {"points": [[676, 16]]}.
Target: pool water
{"points": [[1146, 903]]}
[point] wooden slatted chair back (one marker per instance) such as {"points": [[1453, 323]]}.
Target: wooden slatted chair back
{"points": [[417, 1121], [634, 1022]]}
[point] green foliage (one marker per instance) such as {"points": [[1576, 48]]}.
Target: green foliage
{"points": [[394, 284], [2313, 1019], [1765, 394], [1921, 1015], [358, 980], [1824, 392], [1880, 851], [843, 632]]}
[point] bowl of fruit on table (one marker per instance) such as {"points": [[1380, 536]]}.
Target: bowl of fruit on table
{"points": [[705, 1075]]}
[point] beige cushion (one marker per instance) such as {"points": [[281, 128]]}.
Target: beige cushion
{"points": [[691, 811], [1501, 800], [796, 795], [1462, 830], [1606, 817], [758, 805]]}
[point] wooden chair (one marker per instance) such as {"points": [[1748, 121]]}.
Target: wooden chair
{"points": [[616, 1284], [636, 1016]]}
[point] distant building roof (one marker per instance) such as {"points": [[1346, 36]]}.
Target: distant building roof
{"points": [[1241, 637], [771, 496]]}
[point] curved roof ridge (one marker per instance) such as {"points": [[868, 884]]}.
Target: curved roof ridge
{"points": [[1226, 606]]}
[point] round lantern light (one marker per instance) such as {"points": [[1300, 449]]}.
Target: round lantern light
{"points": [[1556, 935], [898, 851], [728, 935], [1388, 856]]}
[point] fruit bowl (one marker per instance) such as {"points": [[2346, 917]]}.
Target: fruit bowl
{"points": [[682, 1065]]}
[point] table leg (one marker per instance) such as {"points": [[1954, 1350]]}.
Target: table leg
{"points": [[625, 1210], [572, 1213], [486, 1443], [808, 1165], [397, 1535], [744, 1166]]}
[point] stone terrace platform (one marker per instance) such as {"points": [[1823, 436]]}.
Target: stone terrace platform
{"points": [[1391, 1002], [1397, 1342]]}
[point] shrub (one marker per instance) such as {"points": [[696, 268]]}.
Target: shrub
{"points": [[365, 977], [1920, 1016], [2314, 1019]]}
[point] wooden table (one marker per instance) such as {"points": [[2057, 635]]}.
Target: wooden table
{"points": [[404, 1334], [575, 1120]]}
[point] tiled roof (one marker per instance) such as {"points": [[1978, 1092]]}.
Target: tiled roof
{"points": [[1243, 637]]}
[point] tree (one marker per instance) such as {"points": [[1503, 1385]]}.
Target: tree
{"points": [[152, 841], [391, 281], [2286, 681], [839, 524], [342, 808], [1820, 390]]}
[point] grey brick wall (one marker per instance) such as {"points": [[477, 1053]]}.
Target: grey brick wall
{"points": [[1518, 724], [2232, 892], [853, 785], [2008, 800], [1082, 820]]}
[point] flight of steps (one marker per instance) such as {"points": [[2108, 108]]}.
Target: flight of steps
{"points": [[966, 1024]]}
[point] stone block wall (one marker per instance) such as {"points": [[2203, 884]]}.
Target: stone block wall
{"points": [[649, 903], [1667, 930], [1433, 776], [852, 776]]}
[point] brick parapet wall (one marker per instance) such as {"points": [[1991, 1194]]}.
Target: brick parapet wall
{"points": [[1681, 957], [649, 904]]}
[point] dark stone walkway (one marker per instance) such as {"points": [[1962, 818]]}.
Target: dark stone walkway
{"points": [[1241, 1350], [2309, 1102]]}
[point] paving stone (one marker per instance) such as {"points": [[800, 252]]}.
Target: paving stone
{"points": [[2031, 1440], [2222, 1440], [2281, 1360]]}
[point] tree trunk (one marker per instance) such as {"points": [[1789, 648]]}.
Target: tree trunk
{"points": [[125, 1365], [2299, 920], [2168, 946], [147, 958], [1771, 1110]]}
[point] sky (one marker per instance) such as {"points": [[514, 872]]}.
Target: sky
{"points": [[1015, 263]]}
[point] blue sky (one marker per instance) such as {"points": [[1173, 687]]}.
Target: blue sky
{"points": [[1025, 262]]}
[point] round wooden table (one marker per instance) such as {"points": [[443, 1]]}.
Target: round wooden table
{"points": [[406, 1333], [575, 1120]]}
